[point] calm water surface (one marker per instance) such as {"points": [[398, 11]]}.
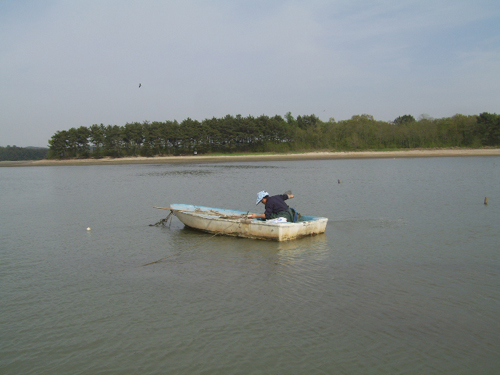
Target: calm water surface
{"points": [[405, 279]]}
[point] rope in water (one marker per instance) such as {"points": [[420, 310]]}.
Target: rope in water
{"points": [[163, 222], [190, 248]]}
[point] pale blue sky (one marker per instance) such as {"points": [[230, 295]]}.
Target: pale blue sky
{"points": [[68, 63]]}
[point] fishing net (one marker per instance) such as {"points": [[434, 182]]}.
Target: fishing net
{"points": [[163, 222]]}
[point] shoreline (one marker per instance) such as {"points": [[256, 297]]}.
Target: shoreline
{"points": [[193, 159]]}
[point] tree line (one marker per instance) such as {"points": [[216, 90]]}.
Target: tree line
{"points": [[232, 134], [23, 153]]}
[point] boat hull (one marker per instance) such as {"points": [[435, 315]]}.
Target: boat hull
{"points": [[235, 223]]}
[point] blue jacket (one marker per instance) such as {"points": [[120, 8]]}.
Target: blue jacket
{"points": [[276, 204]]}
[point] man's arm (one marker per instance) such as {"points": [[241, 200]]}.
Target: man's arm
{"points": [[257, 216]]}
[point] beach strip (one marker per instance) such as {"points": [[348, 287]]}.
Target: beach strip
{"points": [[415, 153]]}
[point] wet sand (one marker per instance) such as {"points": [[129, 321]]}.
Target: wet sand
{"points": [[417, 153]]}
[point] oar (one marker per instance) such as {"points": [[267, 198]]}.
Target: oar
{"points": [[198, 212], [207, 213], [171, 209]]}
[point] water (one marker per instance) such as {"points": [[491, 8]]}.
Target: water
{"points": [[405, 279]]}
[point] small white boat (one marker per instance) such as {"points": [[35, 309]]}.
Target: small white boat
{"points": [[236, 223]]}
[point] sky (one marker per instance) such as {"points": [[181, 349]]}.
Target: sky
{"points": [[75, 63]]}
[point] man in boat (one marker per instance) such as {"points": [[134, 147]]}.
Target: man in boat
{"points": [[275, 207]]}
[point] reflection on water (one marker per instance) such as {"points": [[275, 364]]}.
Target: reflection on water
{"points": [[176, 173], [171, 170], [313, 247], [244, 166]]}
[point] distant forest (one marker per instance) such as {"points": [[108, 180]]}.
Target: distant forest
{"points": [[22, 153], [232, 134]]}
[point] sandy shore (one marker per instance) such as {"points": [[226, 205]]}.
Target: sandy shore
{"points": [[418, 153]]}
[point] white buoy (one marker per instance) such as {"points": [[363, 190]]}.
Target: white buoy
{"points": [[88, 228]]}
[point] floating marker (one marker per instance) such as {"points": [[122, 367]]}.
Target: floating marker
{"points": [[88, 228]]}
